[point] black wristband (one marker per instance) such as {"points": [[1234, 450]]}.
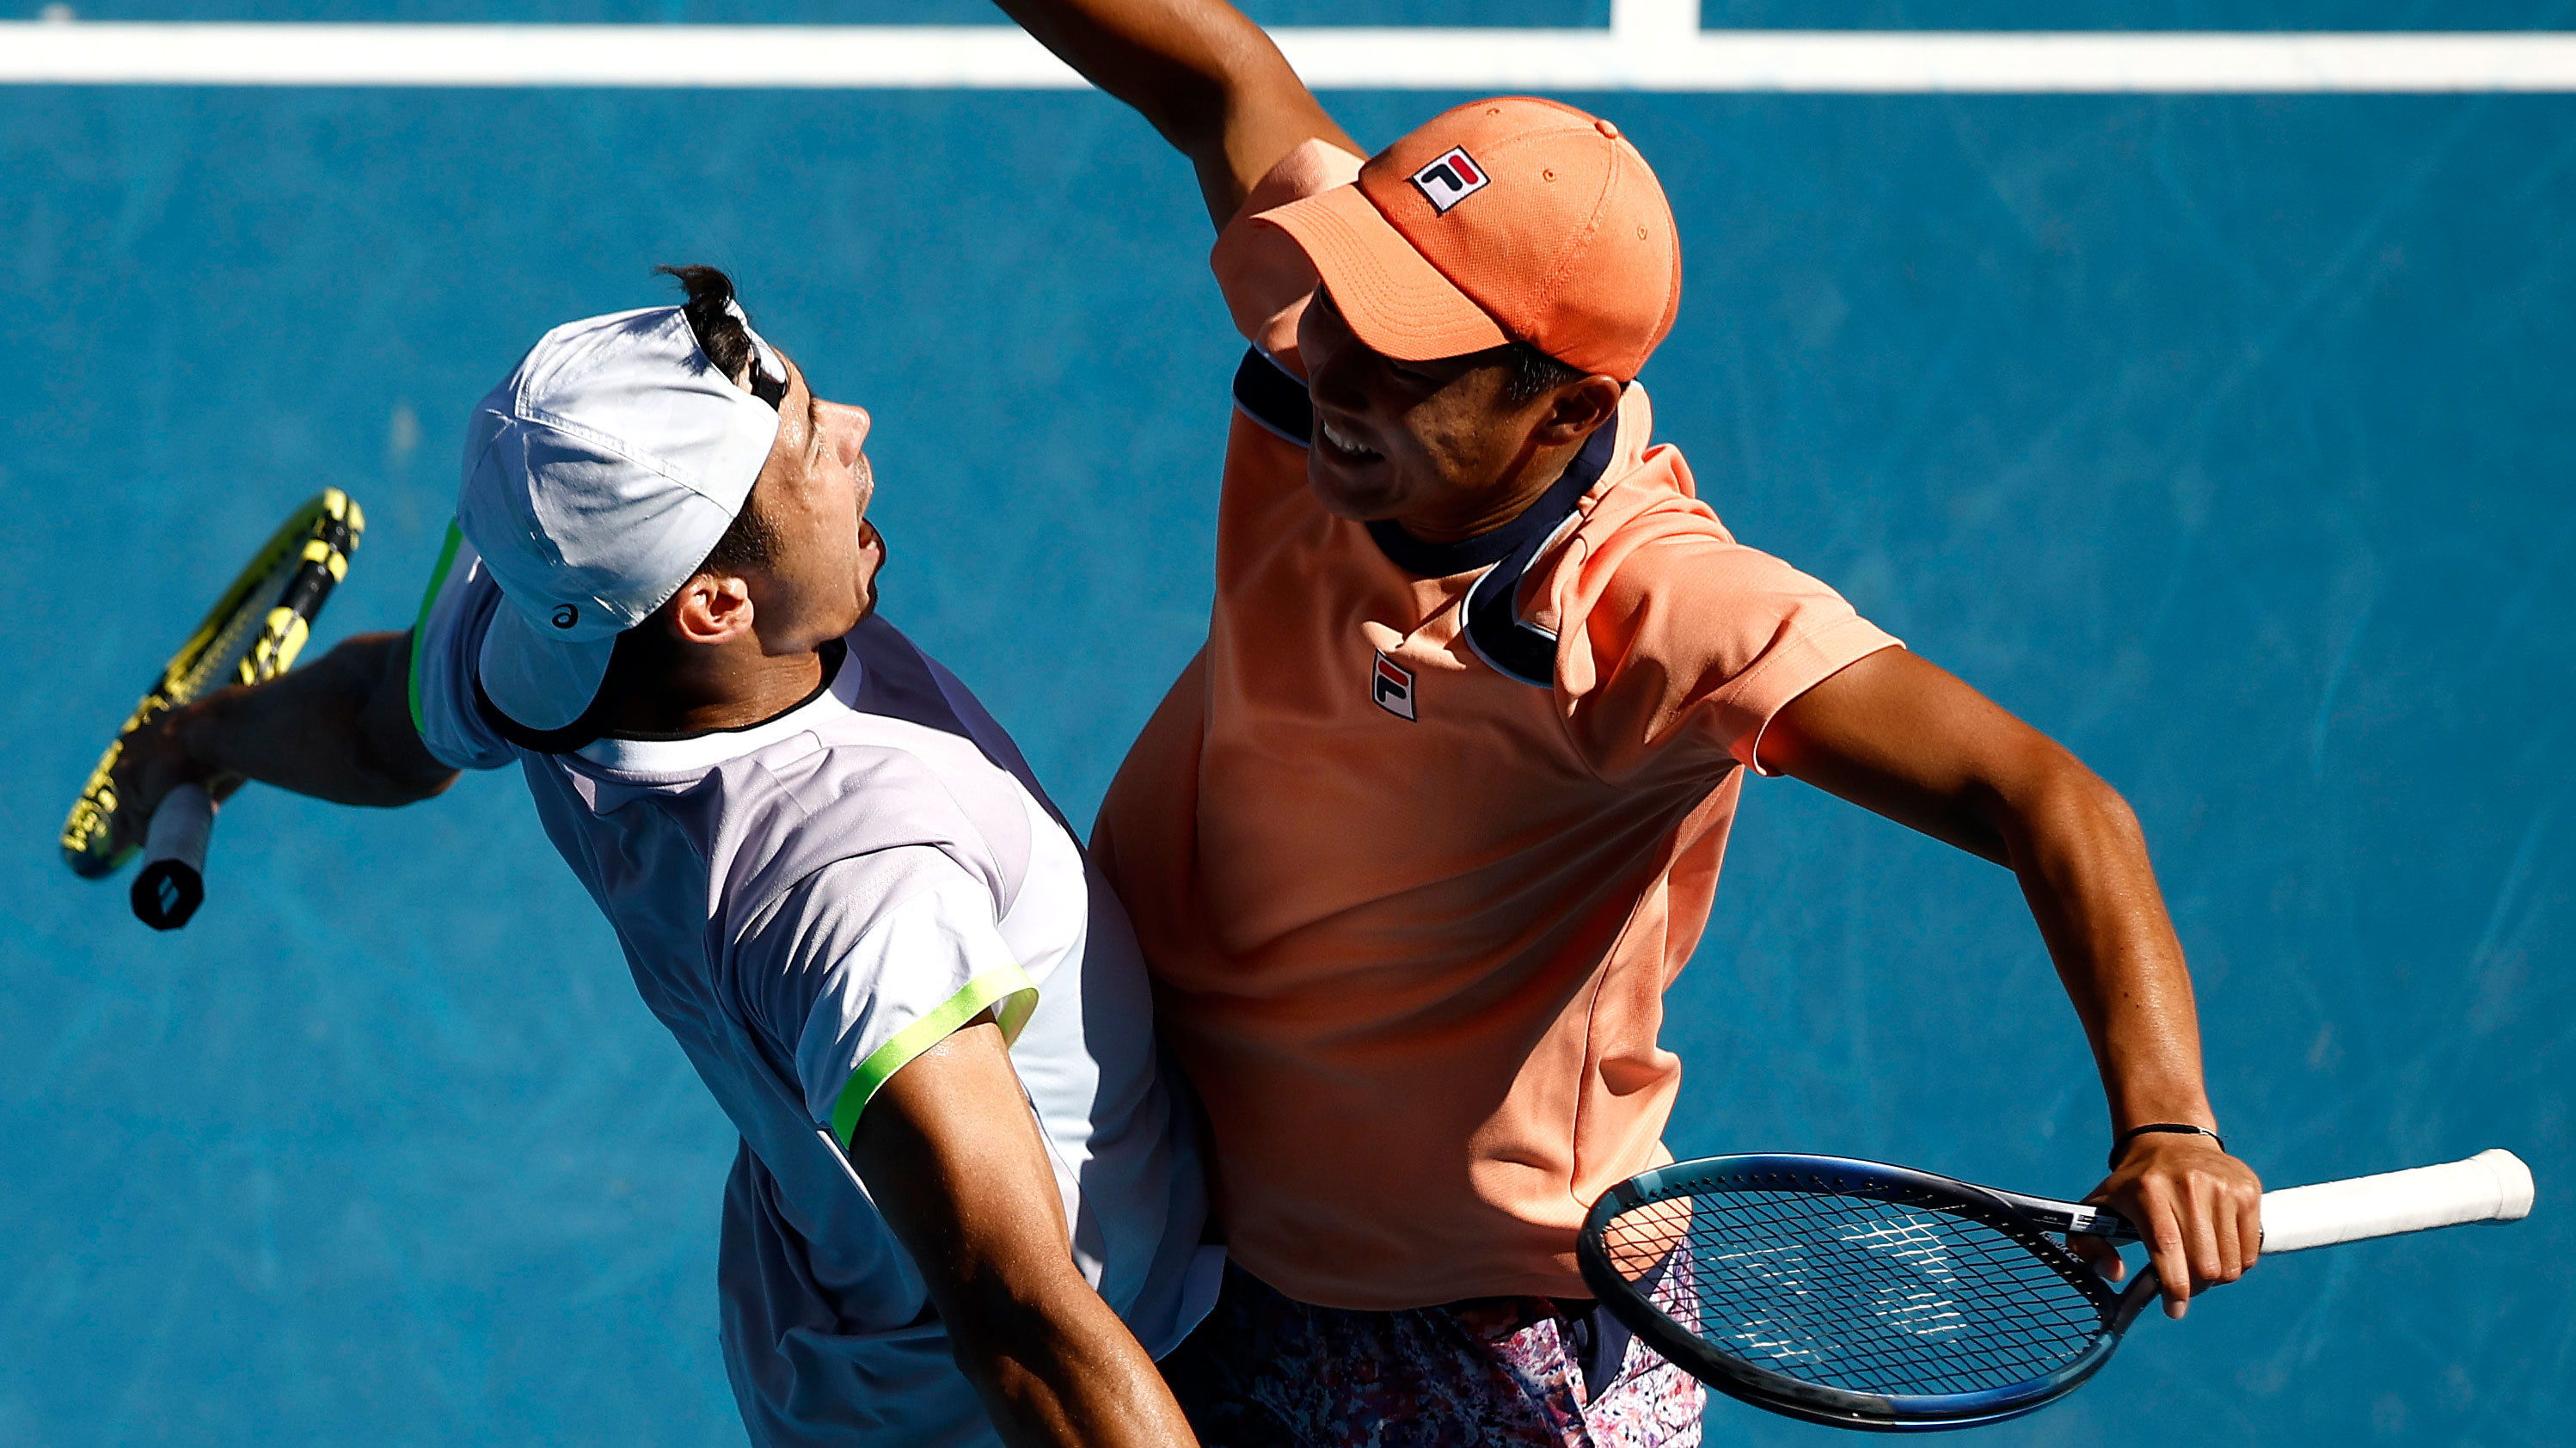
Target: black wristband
{"points": [[2120, 1144]]}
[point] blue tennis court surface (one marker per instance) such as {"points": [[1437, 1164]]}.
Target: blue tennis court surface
{"points": [[2228, 440]]}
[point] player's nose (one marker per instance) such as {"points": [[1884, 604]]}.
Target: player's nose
{"points": [[847, 425]]}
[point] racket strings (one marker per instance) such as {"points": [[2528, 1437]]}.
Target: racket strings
{"points": [[219, 661], [1856, 1293]]}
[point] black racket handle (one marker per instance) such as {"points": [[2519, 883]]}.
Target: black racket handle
{"points": [[172, 883]]}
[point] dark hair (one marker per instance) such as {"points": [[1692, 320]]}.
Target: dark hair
{"points": [[751, 541], [1534, 374], [721, 334]]}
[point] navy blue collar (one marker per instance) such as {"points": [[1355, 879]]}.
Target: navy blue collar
{"points": [[1490, 613]]}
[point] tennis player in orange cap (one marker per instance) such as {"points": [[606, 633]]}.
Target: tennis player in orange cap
{"points": [[1417, 842]]}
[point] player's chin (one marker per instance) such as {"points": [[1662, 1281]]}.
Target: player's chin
{"points": [[867, 608], [872, 558], [1360, 491]]}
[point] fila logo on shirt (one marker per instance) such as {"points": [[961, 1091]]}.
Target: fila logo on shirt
{"points": [[1393, 687], [1449, 180]]}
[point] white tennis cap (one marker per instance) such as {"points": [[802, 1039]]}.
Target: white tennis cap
{"points": [[598, 476]]}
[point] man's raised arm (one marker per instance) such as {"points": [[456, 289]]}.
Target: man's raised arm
{"points": [[1204, 75]]}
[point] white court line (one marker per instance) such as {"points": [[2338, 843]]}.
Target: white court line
{"points": [[1650, 45]]}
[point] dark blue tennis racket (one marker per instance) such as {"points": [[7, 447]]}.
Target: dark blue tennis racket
{"points": [[1862, 1295]]}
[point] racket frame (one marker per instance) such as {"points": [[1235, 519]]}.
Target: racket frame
{"points": [[309, 552], [2022, 1218]]}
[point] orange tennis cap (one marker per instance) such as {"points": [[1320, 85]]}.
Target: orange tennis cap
{"points": [[1504, 220]]}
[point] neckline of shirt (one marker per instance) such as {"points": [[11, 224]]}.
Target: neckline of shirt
{"points": [[838, 693]]}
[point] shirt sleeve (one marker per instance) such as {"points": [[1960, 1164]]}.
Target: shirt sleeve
{"points": [[1698, 642], [1262, 271], [869, 962], [446, 642]]}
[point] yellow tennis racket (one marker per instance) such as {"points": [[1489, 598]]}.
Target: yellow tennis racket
{"points": [[253, 632]]}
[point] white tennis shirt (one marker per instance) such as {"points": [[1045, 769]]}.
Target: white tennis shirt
{"points": [[808, 904]]}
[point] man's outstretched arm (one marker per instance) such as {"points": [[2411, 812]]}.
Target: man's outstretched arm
{"points": [[950, 1152], [1903, 737], [338, 728], [1201, 73]]}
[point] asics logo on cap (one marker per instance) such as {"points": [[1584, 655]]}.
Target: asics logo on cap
{"points": [[1450, 179]]}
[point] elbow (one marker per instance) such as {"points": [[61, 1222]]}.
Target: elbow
{"points": [[2104, 810], [396, 768], [1007, 1331], [2060, 806], [1200, 93], [407, 773], [1014, 1311], [1189, 109], [427, 785]]}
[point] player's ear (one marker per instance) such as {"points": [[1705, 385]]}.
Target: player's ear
{"points": [[712, 608], [1578, 408]]}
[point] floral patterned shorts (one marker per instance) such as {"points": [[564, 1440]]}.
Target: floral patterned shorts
{"points": [[1265, 1371]]}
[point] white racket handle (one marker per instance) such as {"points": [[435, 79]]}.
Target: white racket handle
{"points": [[2492, 1186], [180, 828], [172, 883]]}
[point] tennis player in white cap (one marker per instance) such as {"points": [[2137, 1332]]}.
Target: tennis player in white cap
{"points": [[966, 1204]]}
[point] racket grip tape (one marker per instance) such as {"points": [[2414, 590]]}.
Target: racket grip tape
{"points": [[172, 883], [2492, 1186]]}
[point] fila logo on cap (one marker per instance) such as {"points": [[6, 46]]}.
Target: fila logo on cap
{"points": [[1393, 687], [1447, 181]]}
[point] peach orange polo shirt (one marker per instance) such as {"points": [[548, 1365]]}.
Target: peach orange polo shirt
{"points": [[1418, 841]]}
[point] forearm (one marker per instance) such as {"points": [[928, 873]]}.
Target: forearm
{"points": [[1203, 75], [1063, 1370], [952, 1154], [2083, 866], [2082, 862], [336, 729]]}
